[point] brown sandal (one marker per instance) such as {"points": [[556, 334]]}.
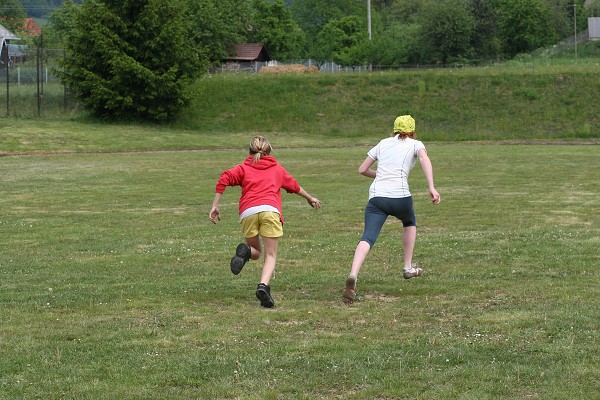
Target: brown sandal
{"points": [[349, 293]]}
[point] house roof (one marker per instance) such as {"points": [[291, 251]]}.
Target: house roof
{"points": [[5, 34], [249, 52], [32, 27]]}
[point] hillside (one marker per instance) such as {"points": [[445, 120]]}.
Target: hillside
{"points": [[544, 103]]}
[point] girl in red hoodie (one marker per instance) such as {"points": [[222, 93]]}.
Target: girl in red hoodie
{"points": [[261, 178]]}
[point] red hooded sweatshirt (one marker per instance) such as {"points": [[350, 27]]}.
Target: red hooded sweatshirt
{"points": [[261, 183]]}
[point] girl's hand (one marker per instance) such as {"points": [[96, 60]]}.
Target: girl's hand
{"points": [[435, 197], [314, 202], [214, 212]]}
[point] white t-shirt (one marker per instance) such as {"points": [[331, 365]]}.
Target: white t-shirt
{"points": [[395, 158], [257, 209]]}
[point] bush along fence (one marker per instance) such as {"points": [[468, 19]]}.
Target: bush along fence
{"points": [[28, 86]]}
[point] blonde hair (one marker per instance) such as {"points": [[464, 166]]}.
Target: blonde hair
{"points": [[259, 147]]}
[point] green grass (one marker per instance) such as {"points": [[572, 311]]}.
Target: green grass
{"points": [[23, 101], [115, 285], [524, 102], [496, 103]]}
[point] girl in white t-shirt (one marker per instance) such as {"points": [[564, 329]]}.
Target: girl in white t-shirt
{"points": [[389, 195]]}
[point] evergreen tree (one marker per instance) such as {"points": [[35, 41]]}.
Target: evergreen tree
{"points": [[131, 59]]}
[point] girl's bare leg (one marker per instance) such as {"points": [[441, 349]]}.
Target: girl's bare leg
{"points": [[360, 254], [255, 248], [271, 246], [409, 236]]}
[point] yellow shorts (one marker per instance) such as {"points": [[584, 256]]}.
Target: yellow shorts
{"points": [[266, 223]]}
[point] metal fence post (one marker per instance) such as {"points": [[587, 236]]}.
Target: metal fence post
{"points": [[6, 59], [39, 105], [64, 85]]}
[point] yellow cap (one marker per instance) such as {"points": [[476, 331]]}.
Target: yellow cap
{"points": [[405, 124]]}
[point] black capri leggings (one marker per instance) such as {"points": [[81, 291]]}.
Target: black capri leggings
{"points": [[379, 208]]}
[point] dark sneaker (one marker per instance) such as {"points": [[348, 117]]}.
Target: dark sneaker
{"points": [[242, 255], [349, 293], [263, 293], [412, 272]]}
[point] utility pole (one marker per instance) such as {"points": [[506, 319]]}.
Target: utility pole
{"points": [[575, 27], [369, 16], [369, 26]]}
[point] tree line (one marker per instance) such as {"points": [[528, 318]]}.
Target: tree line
{"points": [[135, 58]]}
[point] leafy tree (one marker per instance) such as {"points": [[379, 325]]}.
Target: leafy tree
{"points": [[592, 9], [485, 41], [560, 16], [406, 11], [217, 25], [343, 41], [11, 15], [393, 46], [447, 31], [61, 25], [381, 4], [131, 59], [524, 26], [313, 15], [274, 26]]}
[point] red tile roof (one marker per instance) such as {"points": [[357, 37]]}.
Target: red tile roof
{"points": [[32, 27], [249, 52]]}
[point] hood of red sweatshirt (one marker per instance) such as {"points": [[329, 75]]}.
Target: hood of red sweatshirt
{"points": [[265, 162]]}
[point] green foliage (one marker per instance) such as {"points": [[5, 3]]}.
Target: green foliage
{"points": [[343, 40], [61, 26], [274, 26], [290, 28], [395, 46], [470, 30], [447, 31], [592, 9], [217, 25], [11, 15], [131, 60], [524, 26], [484, 39], [405, 11], [313, 15]]}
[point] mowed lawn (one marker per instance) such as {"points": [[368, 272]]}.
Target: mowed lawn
{"points": [[115, 285]]}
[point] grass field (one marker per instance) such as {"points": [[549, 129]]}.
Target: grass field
{"points": [[541, 102], [115, 285]]}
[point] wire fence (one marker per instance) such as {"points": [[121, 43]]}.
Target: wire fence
{"points": [[28, 86]]}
